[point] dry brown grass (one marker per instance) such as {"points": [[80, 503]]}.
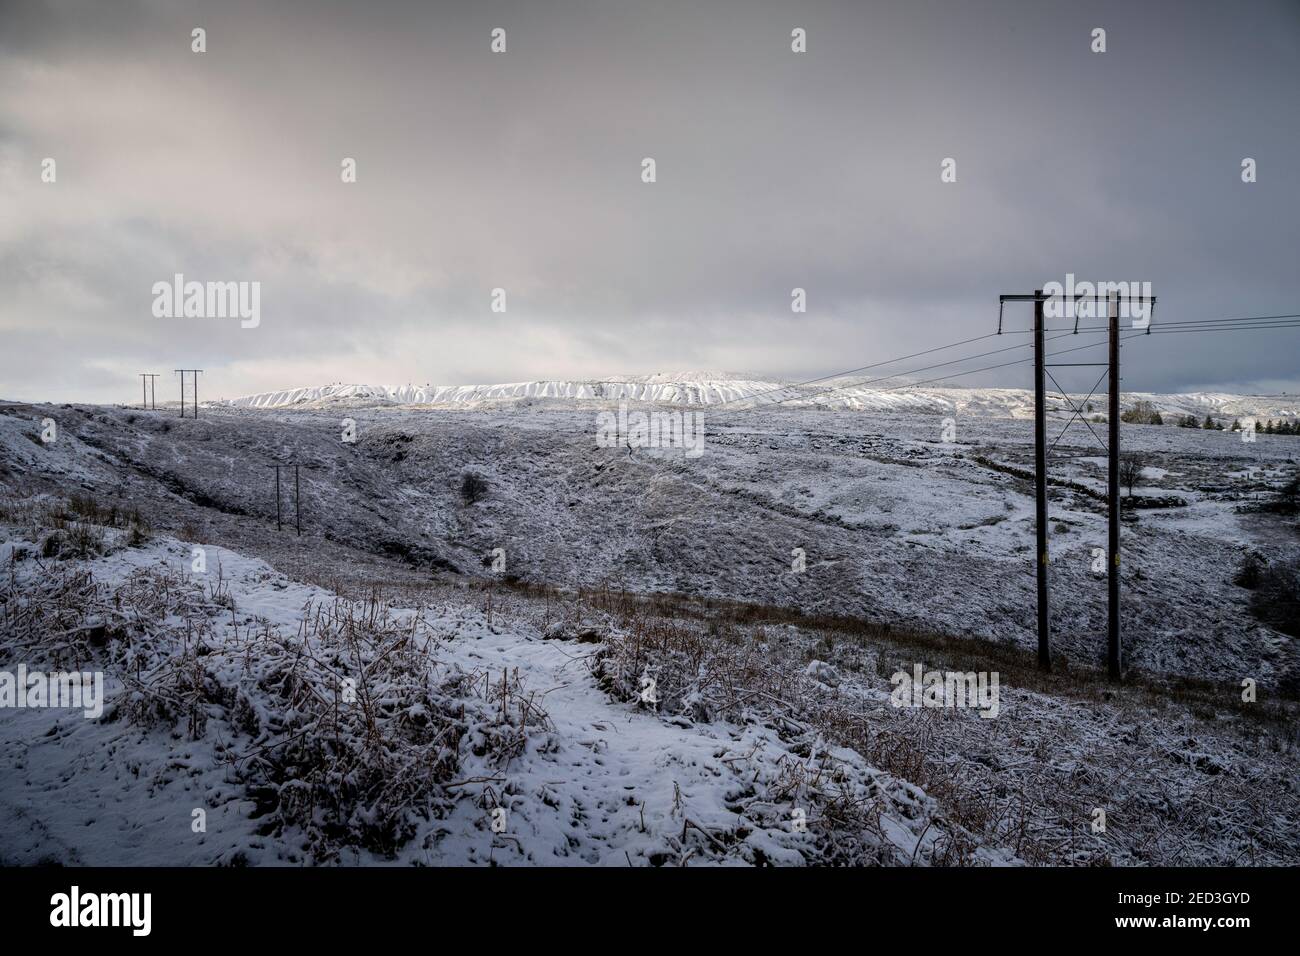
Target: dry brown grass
{"points": [[1196, 774], [343, 732]]}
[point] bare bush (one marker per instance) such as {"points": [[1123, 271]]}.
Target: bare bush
{"points": [[1142, 412], [1251, 572], [1130, 470], [344, 732], [1276, 599], [473, 487]]}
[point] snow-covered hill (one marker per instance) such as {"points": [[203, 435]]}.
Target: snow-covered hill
{"points": [[680, 391], [520, 687], [453, 764], [720, 388]]}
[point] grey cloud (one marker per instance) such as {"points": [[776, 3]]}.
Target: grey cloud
{"points": [[522, 171]]}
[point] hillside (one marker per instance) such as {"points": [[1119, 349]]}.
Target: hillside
{"points": [[649, 675]]}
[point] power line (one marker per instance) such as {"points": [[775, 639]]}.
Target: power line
{"points": [[987, 368], [1229, 320], [886, 378], [863, 368], [1245, 328], [1164, 328], [1123, 338], [944, 378], [941, 378]]}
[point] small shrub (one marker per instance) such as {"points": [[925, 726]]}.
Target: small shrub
{"points": [[1142, 413], [473, 487], [1276, 601], [1130, 470], [1251, 571], [76, 540], [51, 544], [1288, 498], [138, 535], [84, 541]]}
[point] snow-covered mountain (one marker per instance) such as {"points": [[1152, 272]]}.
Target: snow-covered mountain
{"points": [[719, 388], [684, 389]]}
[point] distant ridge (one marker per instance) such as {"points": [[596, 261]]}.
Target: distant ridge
{"points": [[718, 388]]}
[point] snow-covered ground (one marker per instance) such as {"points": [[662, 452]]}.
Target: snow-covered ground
{"points": [[495, 627], [899, 518], [489, 728], [549, 768]]}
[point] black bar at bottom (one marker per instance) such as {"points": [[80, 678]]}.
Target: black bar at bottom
{"points": [[284, 903]]}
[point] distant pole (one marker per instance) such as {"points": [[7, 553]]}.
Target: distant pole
{"points": [[151, 397], [297, 502], [277, 498], [1112, 589], [1040, 486], [196, 372]]}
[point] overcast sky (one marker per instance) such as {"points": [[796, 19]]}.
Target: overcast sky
{"points": [[522, 170]]}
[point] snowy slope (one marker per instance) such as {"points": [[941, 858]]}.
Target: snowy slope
{"points": [[900, 527], [888, 513], [587, 779]]}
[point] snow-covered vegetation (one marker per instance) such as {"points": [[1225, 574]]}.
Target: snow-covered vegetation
{"points": [[628, 656]]}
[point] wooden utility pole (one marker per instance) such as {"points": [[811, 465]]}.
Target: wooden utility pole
{"points": [[1040, 488], [277, 497], [1112, 497], [196, 372], [152, 398], [1112, 449], [1040, 472], [297, 499]]}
